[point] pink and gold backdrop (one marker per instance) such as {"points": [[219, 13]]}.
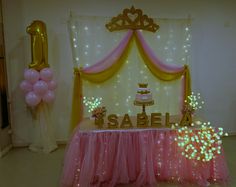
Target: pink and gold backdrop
{"points": [[91, 42]]}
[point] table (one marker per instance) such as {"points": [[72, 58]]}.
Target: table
{"points": [[138, 156]]}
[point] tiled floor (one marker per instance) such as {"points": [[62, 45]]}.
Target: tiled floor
{"points": [[22, 168]]}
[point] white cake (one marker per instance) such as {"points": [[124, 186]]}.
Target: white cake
{"points": [[143, 93]]}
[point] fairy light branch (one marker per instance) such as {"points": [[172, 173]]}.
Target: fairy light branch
{"points": [[203, 143], [194, 101], [200, 141], [92, 102]]}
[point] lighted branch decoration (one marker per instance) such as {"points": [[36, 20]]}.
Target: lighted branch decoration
{"points": [[202, 144], [193, 103], [98, 112], [92, 102], [200, 141]]}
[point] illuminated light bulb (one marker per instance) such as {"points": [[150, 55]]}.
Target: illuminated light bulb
{"points": [[205, 146], [91, 102]]}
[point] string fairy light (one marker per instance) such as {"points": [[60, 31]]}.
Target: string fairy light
{"points": [[202, 143], [194, 101], [199, 141], [92, 102]]}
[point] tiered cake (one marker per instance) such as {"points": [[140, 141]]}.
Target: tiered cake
{"points": [[143, 95]]}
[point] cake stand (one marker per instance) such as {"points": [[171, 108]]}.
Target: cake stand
{"points": [[144, 104]]}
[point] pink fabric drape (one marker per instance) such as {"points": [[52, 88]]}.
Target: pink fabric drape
{"points": [[182, 71], [111, 57], [115, 54], [139, 157], [158, 63]]}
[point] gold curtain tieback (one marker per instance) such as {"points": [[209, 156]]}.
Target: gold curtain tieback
{"points": [[77, 71]]}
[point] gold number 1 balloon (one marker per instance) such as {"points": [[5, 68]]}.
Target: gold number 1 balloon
{"points": [[39, 45]]}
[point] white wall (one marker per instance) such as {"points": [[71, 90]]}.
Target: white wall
{"points": [[213, 51]]}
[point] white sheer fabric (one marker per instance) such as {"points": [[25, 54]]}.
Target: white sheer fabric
{"points": [[43, 137], [91, 41]]}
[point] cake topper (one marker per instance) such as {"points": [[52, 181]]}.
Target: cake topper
{"points": [[143, 85]]}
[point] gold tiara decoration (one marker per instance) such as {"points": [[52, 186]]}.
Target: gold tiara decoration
{"points": [[132, 19]]}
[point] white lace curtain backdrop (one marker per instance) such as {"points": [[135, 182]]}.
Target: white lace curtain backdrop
{"points": [[91, 41]]}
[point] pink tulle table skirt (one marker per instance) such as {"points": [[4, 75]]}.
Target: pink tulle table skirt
{"points": [[138, 157]]}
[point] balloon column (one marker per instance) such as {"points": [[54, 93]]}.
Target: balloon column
{"points": [[38, 86]]}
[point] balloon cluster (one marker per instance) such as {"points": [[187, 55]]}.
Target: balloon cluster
{"points": [[38, 86]]}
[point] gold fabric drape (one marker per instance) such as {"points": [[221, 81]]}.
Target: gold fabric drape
{"points": [[110, 71], [77, 100], [106, 74], [163, 75]]}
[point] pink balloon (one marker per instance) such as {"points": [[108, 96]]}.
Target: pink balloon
{"points": [[52, 85], [32, 99], [31, 75], [49, 97], [40, 87], [26, 86], [46, 74]]}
